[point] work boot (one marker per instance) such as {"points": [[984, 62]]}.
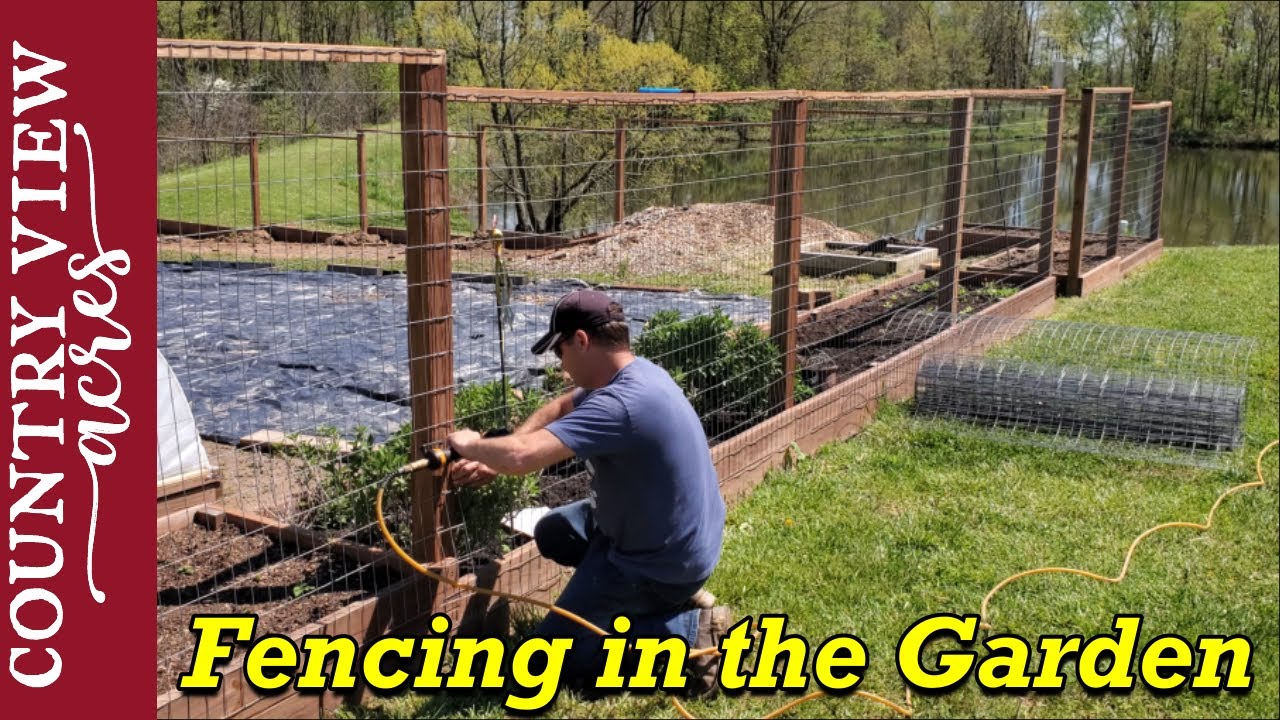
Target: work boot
{"points": [[704, 670]]}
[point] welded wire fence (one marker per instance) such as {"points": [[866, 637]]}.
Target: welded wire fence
{"points": [[1145, 170], [1155, 395], [335, 288]]}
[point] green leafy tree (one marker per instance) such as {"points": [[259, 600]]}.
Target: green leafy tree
{"points": [[554, 46]]}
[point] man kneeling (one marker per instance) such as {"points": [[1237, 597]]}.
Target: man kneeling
{"points": [[651, 536]]}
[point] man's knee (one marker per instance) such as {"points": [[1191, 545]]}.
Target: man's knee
{"points": [[560, 539]]}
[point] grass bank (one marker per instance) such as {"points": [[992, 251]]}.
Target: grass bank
{"points": [[869, 535]]}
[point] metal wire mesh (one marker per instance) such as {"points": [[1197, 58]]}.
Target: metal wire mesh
{"points": [[765, 253], [1159, 395], [1145, 171]]}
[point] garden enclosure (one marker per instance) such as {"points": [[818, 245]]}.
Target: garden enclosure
{"points": [[333, 297]]}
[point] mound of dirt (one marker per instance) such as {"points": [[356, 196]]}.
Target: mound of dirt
{"points": [[354, 238], [708, 237]]}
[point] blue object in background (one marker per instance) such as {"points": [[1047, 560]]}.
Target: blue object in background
{"points": [[660, 90]]}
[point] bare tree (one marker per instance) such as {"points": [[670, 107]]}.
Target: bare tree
{"points": [[782, 20]]}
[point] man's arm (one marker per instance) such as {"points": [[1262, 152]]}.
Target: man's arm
{"points": [[470, 471], [547, 414], [512, 454]]}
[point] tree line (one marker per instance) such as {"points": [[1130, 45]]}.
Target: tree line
{"points": [[1217, 61]]}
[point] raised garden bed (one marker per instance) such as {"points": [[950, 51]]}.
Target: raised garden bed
{"points": [[358, 591], [840, 343], [1010, 249], [1113, 270], [187, 490], [835, 259], [228, 571], [843, 410]]}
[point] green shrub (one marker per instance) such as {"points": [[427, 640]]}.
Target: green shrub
{"points": [[347, 481], [725, 368], [478, 407]]}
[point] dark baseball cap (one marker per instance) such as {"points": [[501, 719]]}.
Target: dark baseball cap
{"points": [[579, 310]]}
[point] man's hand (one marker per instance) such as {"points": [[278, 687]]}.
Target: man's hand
{"points": [[464, 442], [464, 472], [469, 473], [510, 454]]}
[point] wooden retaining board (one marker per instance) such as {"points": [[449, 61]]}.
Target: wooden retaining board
{"points": [[845, 409], [988, 239], [187, 490], [400, 608], [1110, 272]]}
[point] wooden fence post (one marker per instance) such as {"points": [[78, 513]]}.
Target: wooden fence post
{"points": [[425, 153], [482, 179], [1080, 190], [790, 125], [363, 179], [1049, 185], [1157, 187], [1119, 169], [620, 170], [255, 184], [953, 206]]}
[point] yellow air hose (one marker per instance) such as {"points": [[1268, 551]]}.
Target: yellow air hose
{"points": [[903, 711], [1128, 556]]}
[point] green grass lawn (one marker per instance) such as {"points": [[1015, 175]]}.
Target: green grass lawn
{"points": [[869, 535], [312, 182]]}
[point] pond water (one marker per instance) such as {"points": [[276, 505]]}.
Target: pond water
{"points": [[1212, 196]]}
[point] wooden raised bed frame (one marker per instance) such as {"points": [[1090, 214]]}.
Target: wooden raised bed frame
{"points": [[1110, 272], [991, 239], [400, 608], [187, 490]]}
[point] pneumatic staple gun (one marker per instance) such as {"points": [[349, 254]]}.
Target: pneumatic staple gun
{"points": [[438, 458]]}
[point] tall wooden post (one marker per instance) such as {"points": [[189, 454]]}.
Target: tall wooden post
{"points": [[620, 170], [1157, 187], [1119, 169], [790, 125], [1080, 190], [255, 181], [1049, 185], [952, 240], [363, 180], [482, 179], [425, 152]]}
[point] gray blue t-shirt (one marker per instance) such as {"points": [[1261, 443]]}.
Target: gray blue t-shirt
{"points": [[657, 493]]}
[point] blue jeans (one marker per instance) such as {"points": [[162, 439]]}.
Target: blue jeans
{"points": [[599, 591]]}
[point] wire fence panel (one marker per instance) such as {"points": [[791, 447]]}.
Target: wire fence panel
{"points": [[356, 260], [1157, 395]]}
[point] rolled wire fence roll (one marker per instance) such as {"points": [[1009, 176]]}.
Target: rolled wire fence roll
{"points": [[1158, 395]]}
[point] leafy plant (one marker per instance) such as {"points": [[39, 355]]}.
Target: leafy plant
{"points": [[996, 291], [347, 477], [342, 498], [725, 368], [480, 406]]}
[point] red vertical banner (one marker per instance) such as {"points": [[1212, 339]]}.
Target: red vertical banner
{"points": [[80, 361]]}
